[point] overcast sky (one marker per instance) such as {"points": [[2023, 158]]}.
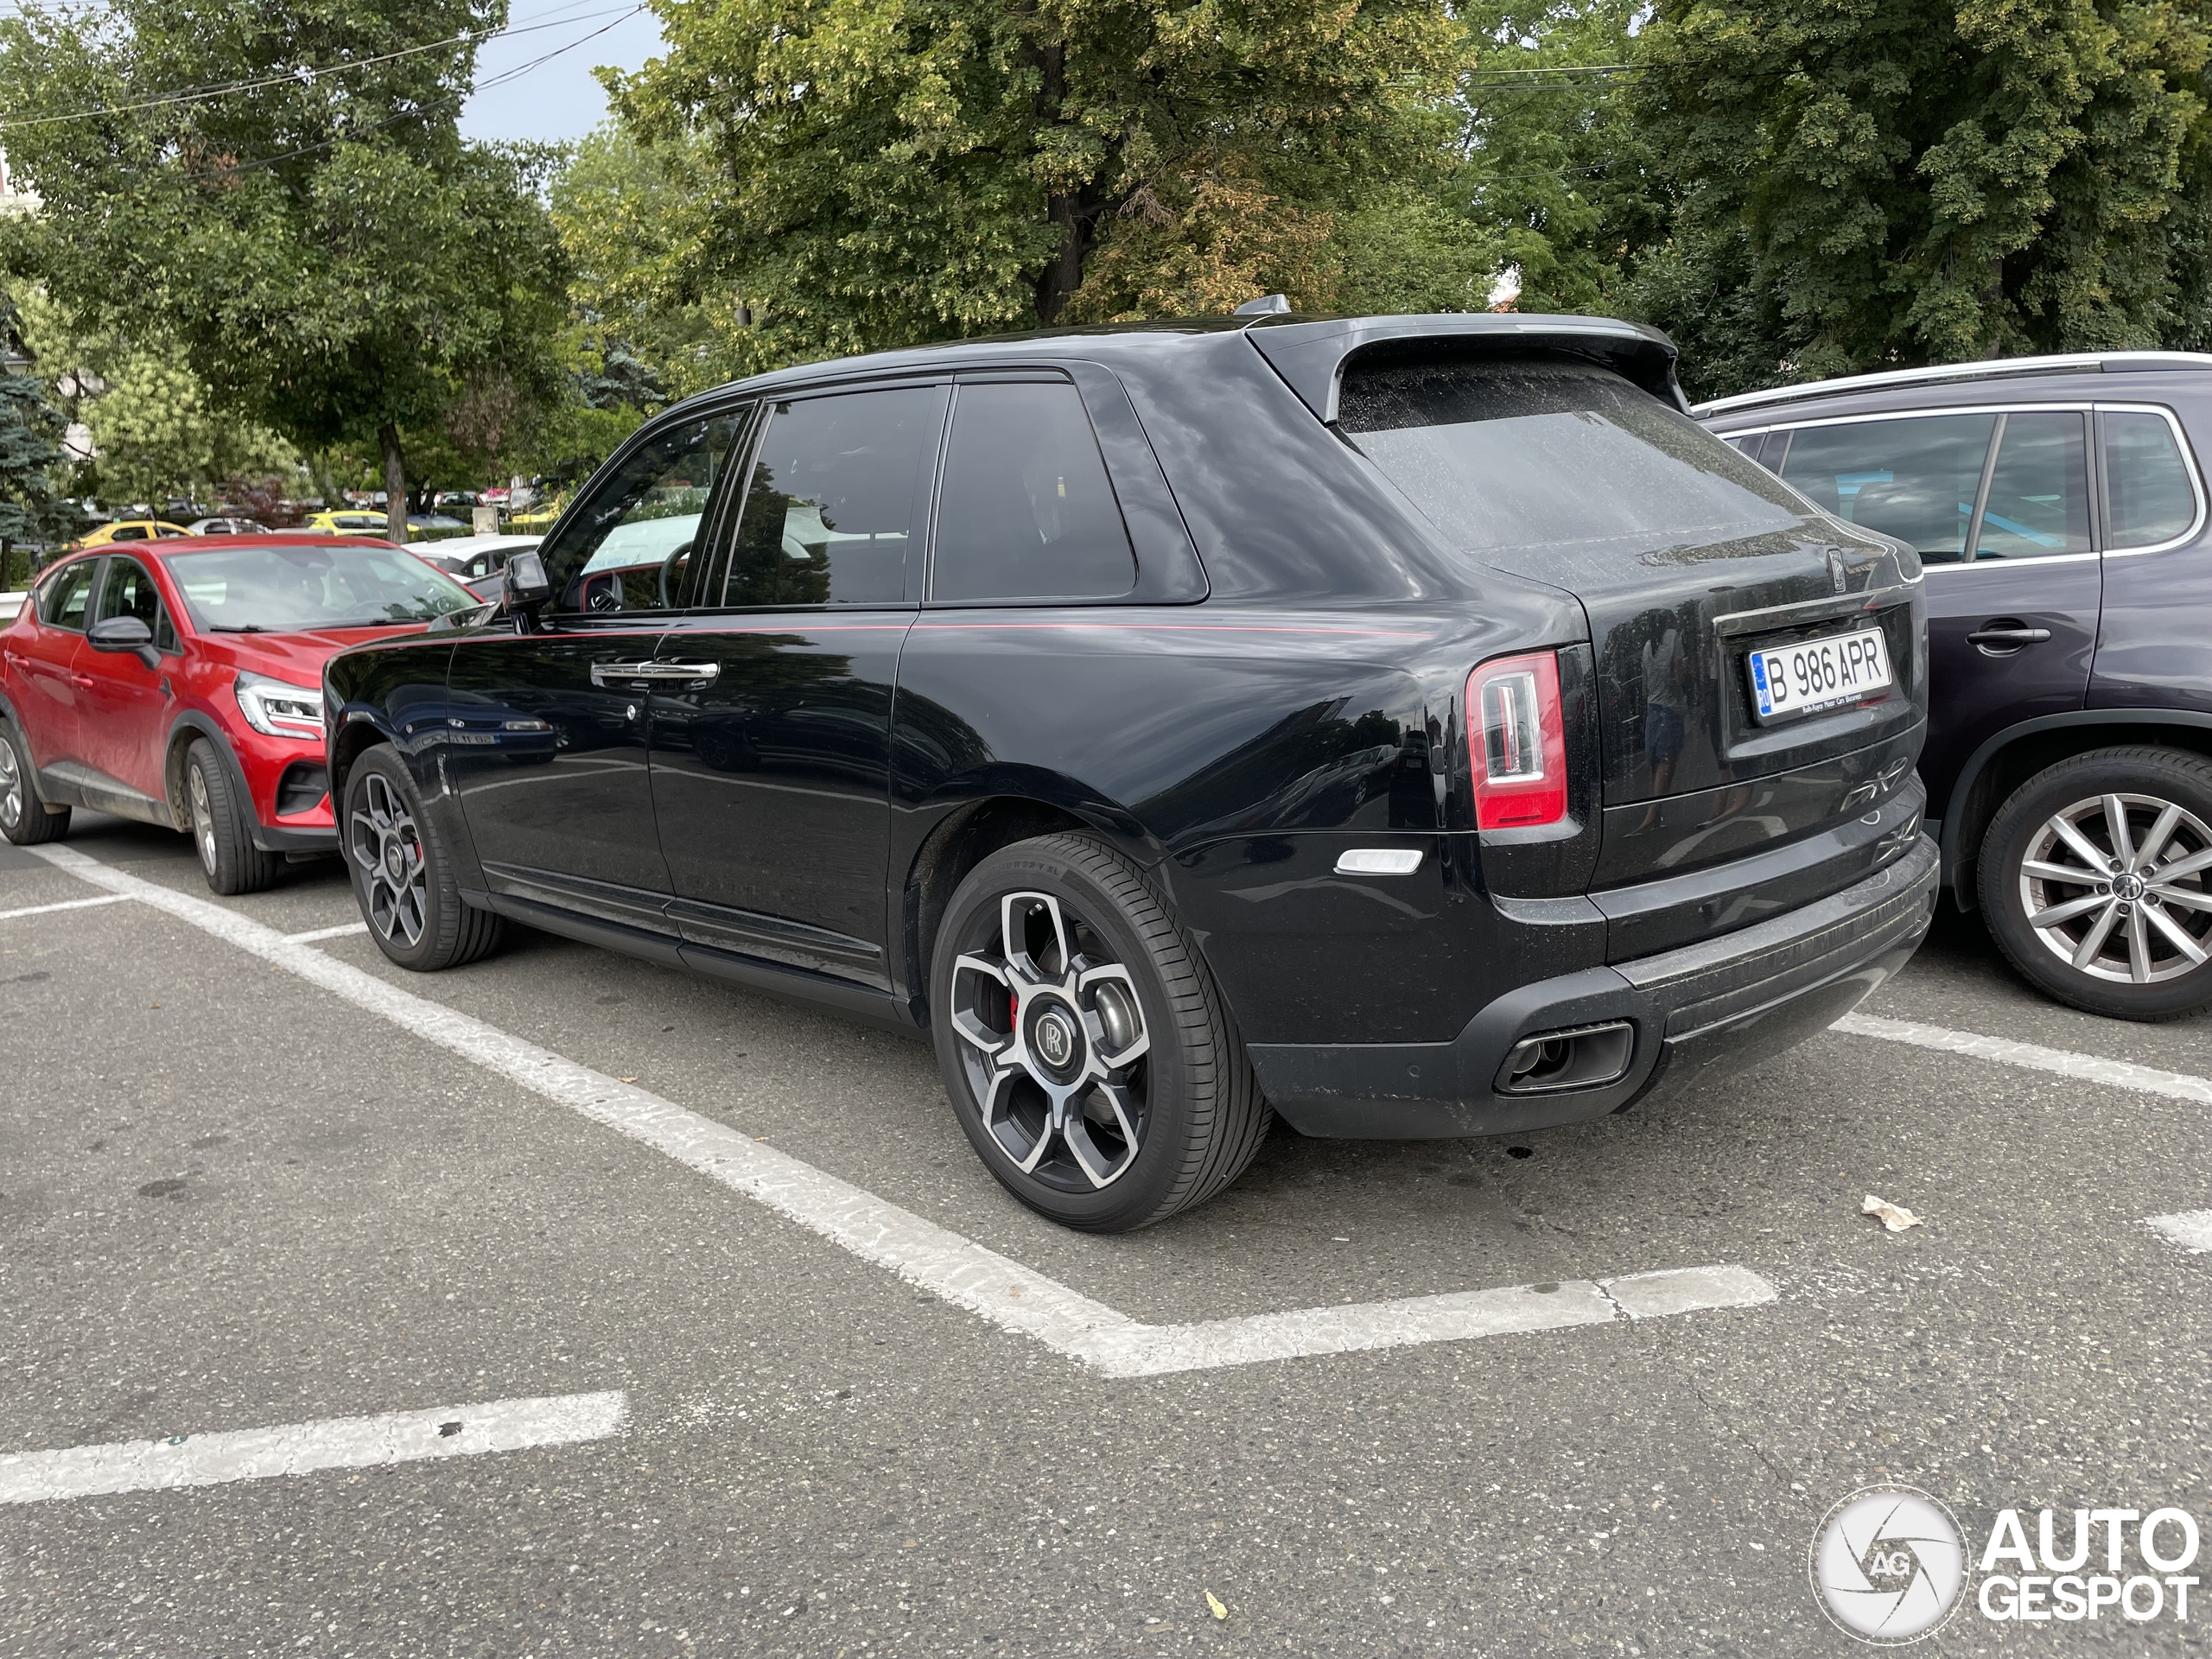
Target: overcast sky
{"points": [[558, 99]]}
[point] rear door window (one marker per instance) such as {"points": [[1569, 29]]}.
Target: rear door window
{"points": [[61, 602], [2148, 496], [1504, 452], [832, 509], [2039, 501], [1027, 511], [1916, 480]]}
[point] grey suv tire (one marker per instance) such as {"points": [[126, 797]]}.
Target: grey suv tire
{"points": [[2096, 881], [402, 876], [1089, 1057]]}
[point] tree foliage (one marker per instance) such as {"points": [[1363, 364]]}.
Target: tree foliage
{"points": [[835, 178], [1863, 182], [333, 261], [33, 462]]}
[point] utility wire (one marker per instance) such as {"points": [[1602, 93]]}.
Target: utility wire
{"points": [[305, 76], [434, 103]]}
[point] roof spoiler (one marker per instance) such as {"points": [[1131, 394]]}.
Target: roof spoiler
{"points": [[1311, 356]]}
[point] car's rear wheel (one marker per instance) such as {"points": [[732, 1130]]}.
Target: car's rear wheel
{"points": [[2096, 881], [1089, 1057], [24, 819], [403, 878], [222, 826]]}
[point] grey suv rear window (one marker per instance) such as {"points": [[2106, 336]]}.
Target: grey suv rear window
{"points": [[2146, 482], [1538, 452]]}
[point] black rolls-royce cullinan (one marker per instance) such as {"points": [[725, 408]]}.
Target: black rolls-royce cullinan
{"points": [[1412, 726]]}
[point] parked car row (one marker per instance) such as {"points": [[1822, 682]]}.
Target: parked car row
{"points": [[1412, 727], [2059, 509]]}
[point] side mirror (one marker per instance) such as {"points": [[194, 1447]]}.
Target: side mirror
{"points": [[125, 633], [524, 586]]}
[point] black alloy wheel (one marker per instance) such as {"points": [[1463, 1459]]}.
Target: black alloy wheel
{"points": [[402, 878], [222, 826], [1086, 1050], [23, 818], [2096, 881]]}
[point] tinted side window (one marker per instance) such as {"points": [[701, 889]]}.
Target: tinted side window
{"points": [[2146, 482], [1916, 480], [129, 533], [2038, 490], [61, 601], [128, 590], [830, 511], [632, 540], [1027, 511]]}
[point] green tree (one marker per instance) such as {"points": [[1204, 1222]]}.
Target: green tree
{"points": [[336, 264], [882, 172], [33, 462], [1868, 182], [1561, 169]]}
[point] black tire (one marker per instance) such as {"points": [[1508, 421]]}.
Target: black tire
{"points": [[2111, 942], [403, 875], [24, 819], [221, 826], [1191, 1096]]}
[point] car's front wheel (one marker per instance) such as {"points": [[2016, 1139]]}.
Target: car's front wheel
{"points": [[222, 826], [2096, 881], [403, 878], [1088, 1056], [23, 817]]}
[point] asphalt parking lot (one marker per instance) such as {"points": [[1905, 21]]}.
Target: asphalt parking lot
{"points": [[729, 1400]]}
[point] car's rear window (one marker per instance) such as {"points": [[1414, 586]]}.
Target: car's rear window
{"points": [[1532, 452]]}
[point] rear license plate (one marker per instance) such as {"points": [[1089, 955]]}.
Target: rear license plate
{"points": [[1815, 674]]}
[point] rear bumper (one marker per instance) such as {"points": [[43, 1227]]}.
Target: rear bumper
{"points": [[1698, 1013]]}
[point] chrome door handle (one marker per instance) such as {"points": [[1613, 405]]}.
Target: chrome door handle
{"points": [[2008, 638], [655, 673]]}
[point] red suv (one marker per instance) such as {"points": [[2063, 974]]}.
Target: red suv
{"points": [[181, 685]]}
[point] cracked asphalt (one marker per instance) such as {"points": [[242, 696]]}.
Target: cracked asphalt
{"points": [[230, 1199]]}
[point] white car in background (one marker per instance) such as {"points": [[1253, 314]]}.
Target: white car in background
{"points": [[225, 527], [478, 562]]}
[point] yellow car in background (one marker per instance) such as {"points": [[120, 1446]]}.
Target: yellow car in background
{"points": [[133, 530], [349, 523]]}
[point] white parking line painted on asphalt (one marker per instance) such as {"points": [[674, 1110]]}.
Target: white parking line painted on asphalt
{"points": [[2063, 1061], [67, 904], [931, 1257], [343, 931], [303, 1448], [2191, 1229]]}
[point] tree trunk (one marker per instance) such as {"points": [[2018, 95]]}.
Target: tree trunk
{"points": [[395, 483], [1070, 213]]}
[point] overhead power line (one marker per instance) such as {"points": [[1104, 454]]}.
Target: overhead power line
{"points": [[309, 76], [501, 79]]}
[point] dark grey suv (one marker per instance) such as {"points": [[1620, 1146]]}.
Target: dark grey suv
{"points": [[2060, 511]]}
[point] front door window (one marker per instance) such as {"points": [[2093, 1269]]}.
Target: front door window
{"points": [[631, 548]]}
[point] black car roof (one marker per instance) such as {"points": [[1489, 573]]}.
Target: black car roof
{"points": [[1307, 352]]}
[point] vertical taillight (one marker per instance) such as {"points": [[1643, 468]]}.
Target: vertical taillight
{"points": [[1518, 737]]}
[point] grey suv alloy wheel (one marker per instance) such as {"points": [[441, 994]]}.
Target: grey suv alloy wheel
{"points": [[1089, 1057], [2096, 877]]}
